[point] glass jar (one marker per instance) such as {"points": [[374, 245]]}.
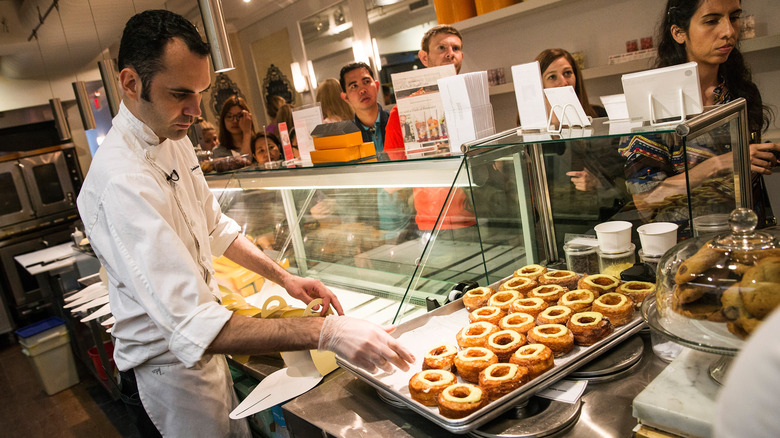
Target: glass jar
{"points": [[581, 259], [714, 290], [711, 223], [649, 260], [614, 263]]}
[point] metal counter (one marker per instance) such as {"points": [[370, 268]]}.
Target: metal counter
{"points": [[344, 405]]}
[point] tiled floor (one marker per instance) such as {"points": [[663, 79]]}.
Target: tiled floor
{"points": [[84, 410]]}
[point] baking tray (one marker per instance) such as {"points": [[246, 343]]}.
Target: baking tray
{"points": [[436, 327]]}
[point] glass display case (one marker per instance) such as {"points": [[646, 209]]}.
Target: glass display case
{"points": [[402, 233]]}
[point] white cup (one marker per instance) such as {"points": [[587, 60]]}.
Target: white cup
{"points": [[657, 237], [613, 236]]}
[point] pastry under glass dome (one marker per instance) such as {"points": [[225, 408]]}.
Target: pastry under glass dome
{"points": [[714, 290]]}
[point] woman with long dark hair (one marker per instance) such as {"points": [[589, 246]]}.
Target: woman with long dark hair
{"points": [[235, 128], [705, 32]]}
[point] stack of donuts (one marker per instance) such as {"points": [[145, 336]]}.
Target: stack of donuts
{"points": [[515, 332]]}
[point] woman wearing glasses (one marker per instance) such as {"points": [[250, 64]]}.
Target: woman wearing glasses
{"points": [[235, 129]]}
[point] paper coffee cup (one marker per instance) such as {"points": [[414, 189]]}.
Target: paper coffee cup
{"points": [[657, 237], [614, 236]]}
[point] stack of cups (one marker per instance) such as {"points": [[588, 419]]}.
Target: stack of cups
{"points": [[616, 252], [657, 238]]}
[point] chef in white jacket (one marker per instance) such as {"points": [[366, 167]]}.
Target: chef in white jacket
{"points": [[155, 226]]}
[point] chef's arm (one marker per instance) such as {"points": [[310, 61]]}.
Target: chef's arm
{"points": [[246, 254], [245, 335]]}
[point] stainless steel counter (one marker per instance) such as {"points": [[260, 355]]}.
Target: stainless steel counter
{"points": [[344, 406]]}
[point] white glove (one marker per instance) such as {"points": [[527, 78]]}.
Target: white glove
{"points": [[364, 344]]}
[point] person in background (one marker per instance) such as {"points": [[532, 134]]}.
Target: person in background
{"points": [[235, 128], [441, 45], [359, 89], [209, 133], [273, 103], [560, 70], [334, 108], [284, 115], [265, 148], [705, 32], [155, 226]]}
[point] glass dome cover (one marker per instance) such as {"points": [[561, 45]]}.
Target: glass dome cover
{"points": [[714, 290]]}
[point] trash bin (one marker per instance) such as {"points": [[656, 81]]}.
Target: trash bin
{"points": [[95, 356], [47, 345]]}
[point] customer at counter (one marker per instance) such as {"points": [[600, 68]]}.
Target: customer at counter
{"points": [[265, 148], [602, 168], [359, 89], [707, 32], [235, 128], [155, 226], [334, 109], [441, 45]]}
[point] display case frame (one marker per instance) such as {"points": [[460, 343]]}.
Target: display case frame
{"points": [[508, 183]]}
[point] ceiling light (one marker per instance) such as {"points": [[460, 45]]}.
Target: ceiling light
{"points": [[338, 16]]}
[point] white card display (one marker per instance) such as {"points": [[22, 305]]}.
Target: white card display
{"points": [[530, 97], [566, 106], [663, 93], [615, 104], [305, 120]]}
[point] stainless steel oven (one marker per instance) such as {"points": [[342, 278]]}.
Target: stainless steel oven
{"points": [[38, 188]]}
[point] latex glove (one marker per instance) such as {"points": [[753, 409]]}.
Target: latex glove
{"points": [[364, 344]]}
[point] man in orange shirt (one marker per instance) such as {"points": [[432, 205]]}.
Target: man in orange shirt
{"points": [[441, 45]]}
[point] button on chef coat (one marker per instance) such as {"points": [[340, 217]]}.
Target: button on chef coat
{"points": [[156, 238]]}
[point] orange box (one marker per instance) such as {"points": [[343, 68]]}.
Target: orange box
{"points": [[340, 155], [338, 141]]}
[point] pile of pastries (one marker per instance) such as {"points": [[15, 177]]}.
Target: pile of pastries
{"points": [[738, 287], [515, 333]]}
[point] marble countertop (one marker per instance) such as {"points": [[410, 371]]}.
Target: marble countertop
{"points": [[682, 398]]}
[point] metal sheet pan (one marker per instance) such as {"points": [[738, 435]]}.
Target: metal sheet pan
{"points": [[426, 327]]}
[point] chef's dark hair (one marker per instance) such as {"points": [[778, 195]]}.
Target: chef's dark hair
{"points": [[144, 40], [734, 72]]}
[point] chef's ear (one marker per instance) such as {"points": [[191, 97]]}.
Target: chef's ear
{"points": [[130, 83]]}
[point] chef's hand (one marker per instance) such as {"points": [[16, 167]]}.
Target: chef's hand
{"points": [[245, 122], [307, 289], [364, 344], [763, 157]]}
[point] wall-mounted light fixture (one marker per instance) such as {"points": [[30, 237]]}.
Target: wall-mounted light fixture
{"points": [[312, 76], [214, 24], [377, 59], [299, 81], [359, 52]]}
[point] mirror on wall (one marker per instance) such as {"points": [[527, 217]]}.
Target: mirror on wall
{"points": [[397, 30], [328, 40]]}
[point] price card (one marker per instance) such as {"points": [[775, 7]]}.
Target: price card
{"points": [[284, 136]]}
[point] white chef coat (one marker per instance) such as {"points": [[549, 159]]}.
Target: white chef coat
{"points": [[154, 224], [749, 403]]}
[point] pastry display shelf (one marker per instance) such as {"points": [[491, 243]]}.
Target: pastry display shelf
{"points": [[418, 333], [758, 44]]}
